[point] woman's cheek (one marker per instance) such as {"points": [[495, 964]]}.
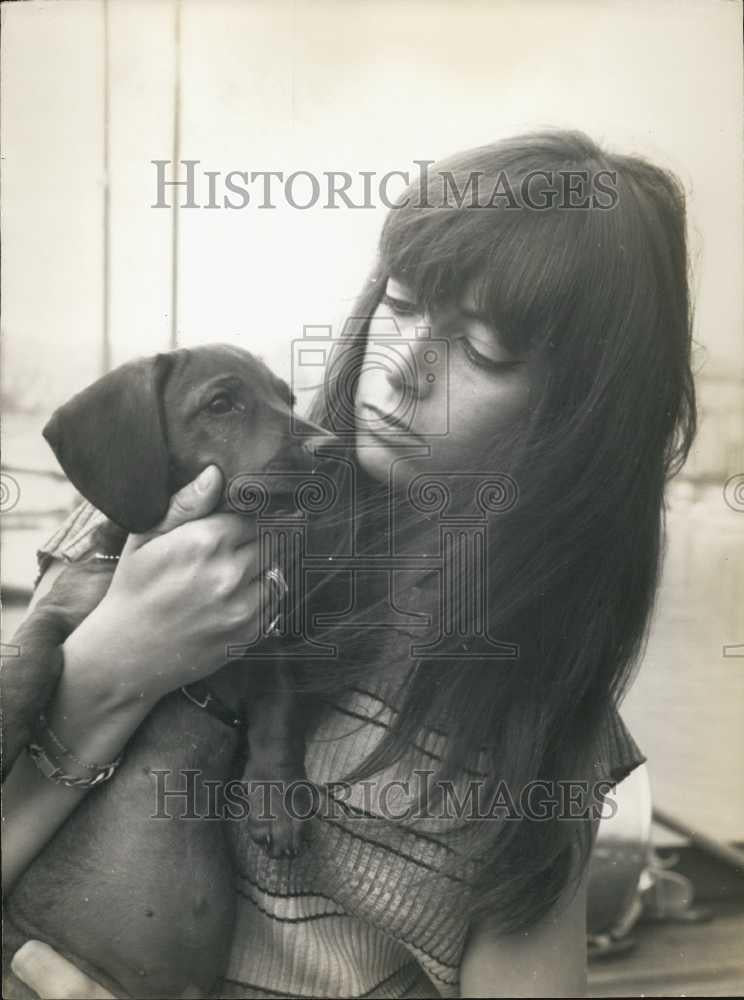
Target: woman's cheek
{"points": [[481, 410]]}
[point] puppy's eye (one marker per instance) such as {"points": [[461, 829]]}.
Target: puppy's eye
{"points": [[221, 403]]}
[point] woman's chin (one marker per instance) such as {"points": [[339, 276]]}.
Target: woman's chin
{"points": [[374, 455]]}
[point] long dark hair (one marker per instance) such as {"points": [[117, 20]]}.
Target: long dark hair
{"points": [[597, 297]]}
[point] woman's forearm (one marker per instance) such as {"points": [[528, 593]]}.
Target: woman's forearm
{"points": [[91, 717], [152, 614]]}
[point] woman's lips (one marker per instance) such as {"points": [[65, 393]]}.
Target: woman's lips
{"points": [[386, 427]]}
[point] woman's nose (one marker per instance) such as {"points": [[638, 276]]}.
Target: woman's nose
{"points": [[410, 360]]}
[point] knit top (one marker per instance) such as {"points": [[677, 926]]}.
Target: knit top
{"points": [[374, 905]]}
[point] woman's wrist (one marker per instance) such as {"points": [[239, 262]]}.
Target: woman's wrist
{"points": [[97, 671], [95, 711], [93, 717]]}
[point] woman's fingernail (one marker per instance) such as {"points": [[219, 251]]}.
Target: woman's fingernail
{"points": [[204, 479], [23, 960]]}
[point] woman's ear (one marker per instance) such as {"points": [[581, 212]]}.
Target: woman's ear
{"points": [[110, 440]]}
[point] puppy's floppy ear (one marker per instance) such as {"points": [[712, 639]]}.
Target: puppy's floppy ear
{"points": [[110, 439]]}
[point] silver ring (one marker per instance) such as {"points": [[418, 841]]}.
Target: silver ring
{"points": [[276, 577]]}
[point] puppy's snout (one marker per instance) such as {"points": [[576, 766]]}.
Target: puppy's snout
{"points": [[295, 456]]}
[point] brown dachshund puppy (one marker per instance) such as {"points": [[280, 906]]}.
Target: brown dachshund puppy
{"points": [[113, 889]]}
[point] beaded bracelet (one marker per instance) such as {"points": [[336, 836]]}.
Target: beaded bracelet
{"points": [[66, 752], [50, 768]]}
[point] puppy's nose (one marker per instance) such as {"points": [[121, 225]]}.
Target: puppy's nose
{"points": [[294, 456]]}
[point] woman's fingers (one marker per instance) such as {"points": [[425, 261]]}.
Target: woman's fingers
{"points": [[52, 977], [231, 531], [196, 499], [184, 594]]}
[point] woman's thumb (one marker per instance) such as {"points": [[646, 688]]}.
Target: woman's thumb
{"points": [[196, 499]]}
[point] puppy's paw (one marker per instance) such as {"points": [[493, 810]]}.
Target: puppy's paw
{"points": [[280, 808]]}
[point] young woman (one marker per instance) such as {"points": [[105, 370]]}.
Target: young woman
{"points": [[525, 335]]}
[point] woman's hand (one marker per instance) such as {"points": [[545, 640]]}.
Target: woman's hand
{"points": [[50, 975], [180, 594]]}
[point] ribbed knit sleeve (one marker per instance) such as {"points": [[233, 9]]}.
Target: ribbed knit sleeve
{"points": [[617, 752]]}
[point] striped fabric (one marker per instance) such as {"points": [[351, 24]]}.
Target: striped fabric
{"points": [[73, 539], [366, 910], [374, 906]]}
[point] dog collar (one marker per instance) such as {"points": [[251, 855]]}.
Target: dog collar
{"points": [[203, 697]]}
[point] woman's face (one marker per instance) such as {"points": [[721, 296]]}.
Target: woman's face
{"points": [[443, 388]]}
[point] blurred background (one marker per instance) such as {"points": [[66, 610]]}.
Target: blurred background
{"points": [[93, 91]]}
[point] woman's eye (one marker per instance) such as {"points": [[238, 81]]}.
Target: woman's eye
{"points": [[222, 403], [481, 360], [400, 307]]}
